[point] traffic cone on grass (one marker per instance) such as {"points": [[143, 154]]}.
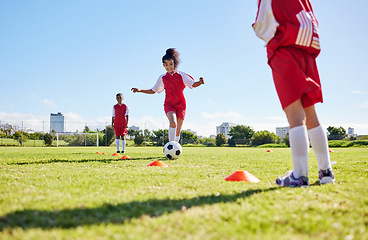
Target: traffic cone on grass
{"points": [[116, 154], [125, 157], [242, 176]]}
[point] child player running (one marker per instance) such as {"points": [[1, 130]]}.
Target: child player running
{"points": [[290, 30], [173, 82], [120, 117]]}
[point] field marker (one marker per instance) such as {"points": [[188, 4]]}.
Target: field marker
{"points": [[157, 164], [116, 154], [242, 176], [125, 157]]}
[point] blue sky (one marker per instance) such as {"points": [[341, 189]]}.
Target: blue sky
{"points": [[74, 56]]}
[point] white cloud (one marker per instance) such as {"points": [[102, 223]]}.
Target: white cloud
{"points": [[356, 92], [48, 103], [219, 114], [277, 118], [363, 105]]}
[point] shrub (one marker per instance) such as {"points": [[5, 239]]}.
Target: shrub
{"points": [[263, 137], [220, 139], [48, 139]]}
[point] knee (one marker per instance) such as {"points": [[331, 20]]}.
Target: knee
{"points": [[172, 124]]}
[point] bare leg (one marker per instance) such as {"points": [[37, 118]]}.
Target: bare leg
{"points": [[298, 138], [172, 127]]}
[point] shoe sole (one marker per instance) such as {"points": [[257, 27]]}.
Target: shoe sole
{"points": [[326, 180]]}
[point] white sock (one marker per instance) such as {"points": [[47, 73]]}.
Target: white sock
{"points": [[117, 143], [177, 138], [172, 133], [123, 145], [320, 147], [299, 145]]}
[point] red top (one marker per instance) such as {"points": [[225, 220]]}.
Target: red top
{"points": [[287, 23], [120, 114], [174, 85]]}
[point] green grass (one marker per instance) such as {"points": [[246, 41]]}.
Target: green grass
{"points": [[74, 193]]}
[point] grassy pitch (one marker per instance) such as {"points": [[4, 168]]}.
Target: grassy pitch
{"points": [[74, 193]]}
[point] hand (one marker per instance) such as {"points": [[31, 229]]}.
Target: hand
{"points": [[134, 90], [201, 80]]}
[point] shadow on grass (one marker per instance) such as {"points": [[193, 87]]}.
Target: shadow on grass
{"points": [[109, 213], [107, 160]]}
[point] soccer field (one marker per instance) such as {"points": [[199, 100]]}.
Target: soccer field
{"points": [[74, 193]]}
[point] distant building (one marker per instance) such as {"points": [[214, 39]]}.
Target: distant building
{"points": [[134, 128], [225, 128], [57, 122], [351, 132], [194, 132], [282, 131]]}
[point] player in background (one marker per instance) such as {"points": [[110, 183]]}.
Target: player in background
{"points": [[290, 30], [120, 117], [173, 82]]}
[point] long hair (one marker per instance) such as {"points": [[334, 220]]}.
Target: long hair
{"points": [[172, 54]]}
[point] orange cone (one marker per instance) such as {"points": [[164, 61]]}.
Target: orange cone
{"points": [[116, 154], [125, 157], [331, 151], [242, 176], [157, 164], [269, 150], [98, 153], [104, 153]]}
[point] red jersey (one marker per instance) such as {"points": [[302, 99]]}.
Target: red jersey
{"points": [[119, 113], [174, 85], [287, 23]]}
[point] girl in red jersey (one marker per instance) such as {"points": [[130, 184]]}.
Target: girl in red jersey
{"points": [[120, 117], [290, 30], [173, 82]]}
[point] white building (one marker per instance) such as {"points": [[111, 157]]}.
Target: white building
{"points": [[134, 128], [57, 122], [282, 131], [225, 128], [194, 132], [351, 132]]}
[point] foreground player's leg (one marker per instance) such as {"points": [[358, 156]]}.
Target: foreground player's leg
{"points": [[320, 146], [299, 146]]}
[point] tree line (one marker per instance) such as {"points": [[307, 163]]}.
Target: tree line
{"points": [[239, 135]]}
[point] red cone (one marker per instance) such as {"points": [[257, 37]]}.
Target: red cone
{"points": [[125, 157], [157, 164], [269, 150], [242, 176]]}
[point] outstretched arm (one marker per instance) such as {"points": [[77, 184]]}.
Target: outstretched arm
{"points": [[199, 83], [146, 91]]}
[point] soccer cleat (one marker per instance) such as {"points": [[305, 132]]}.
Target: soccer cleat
{"points": [[288, 180], [117, 151], [326, 176]]}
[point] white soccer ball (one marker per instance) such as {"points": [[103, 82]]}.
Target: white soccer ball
{"points": [[172, 150]]}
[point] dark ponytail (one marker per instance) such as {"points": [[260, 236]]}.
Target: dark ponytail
{"points": [[172, 54]]}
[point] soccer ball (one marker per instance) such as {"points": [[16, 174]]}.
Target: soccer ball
{"points": [[172, 150]]}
